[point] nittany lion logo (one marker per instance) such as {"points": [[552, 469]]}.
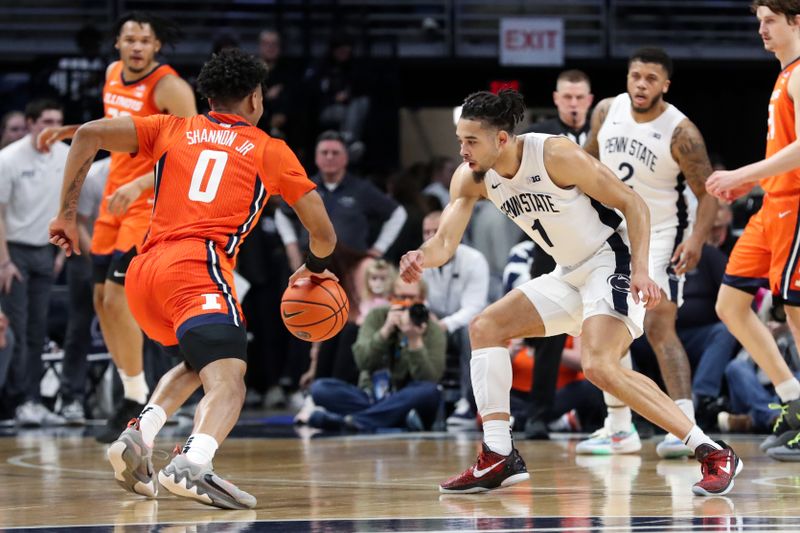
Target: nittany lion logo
{"points": [[620, 282]]}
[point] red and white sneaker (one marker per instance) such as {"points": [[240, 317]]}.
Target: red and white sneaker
{"points": [[491, 471], [719, 467]]}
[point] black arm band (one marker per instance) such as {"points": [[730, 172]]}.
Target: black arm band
{"points": [[316, 264]]}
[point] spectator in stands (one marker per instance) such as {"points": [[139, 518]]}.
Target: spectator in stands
{"points": [[355, 205], [280, 89], [338, 89], [378, 282], [708, 343], [753, 401], [12, 128], [457, 292], [30, 190], [78, 338], [573, 97], [401, 354], [441, 172]]}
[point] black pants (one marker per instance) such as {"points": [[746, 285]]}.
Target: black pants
{"points": [[26, 308], [79, 323]]}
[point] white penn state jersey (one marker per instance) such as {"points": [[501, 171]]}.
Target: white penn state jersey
{"points": [[566, 223], [640, 155]]}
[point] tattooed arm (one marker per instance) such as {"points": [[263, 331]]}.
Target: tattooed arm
{"points": [[598, 117], [689, 150], [115, 135]]}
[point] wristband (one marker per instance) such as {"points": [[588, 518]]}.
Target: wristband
{"points": [[316, 265]]}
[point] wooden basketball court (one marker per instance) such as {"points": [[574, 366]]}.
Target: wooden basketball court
{"points": [[61, 480]]}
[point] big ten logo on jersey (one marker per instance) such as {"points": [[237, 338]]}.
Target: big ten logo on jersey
{"points": [[211, 302]]}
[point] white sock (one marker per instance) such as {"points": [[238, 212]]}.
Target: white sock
{"points": [[619, 414], [788, 391], [619, 418], [497, 436], [200, 448], [135, 386], [687, 406], [696, 437], [151, 420]]}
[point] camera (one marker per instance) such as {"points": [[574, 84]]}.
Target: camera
{"points": [[417, 313]]}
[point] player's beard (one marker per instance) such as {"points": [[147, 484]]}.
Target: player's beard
{"points": [[479, 175], [649, 108]]}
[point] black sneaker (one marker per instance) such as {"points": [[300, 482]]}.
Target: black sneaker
{"points": [[786, 425], [536, 429], [118, 421]]}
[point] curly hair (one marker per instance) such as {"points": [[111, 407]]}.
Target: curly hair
{"points": [[230, 75], [503, 110]]}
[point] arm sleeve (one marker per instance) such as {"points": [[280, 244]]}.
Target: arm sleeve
{"points": [[287, 178], [474, 293], [391, 229]]}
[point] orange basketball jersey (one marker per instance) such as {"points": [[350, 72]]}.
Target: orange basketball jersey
{"points": [[122, 98], [214, 174], [781, 132]]}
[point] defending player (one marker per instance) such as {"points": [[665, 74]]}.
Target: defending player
{"points": [[557, 194], [653, 148], [214, 174], [766, 255], [136, 85]]}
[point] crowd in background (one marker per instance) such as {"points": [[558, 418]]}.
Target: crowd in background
{"points": [[402, 360]]}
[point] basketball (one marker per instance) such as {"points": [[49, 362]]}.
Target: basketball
{"points": [[314, 310]]}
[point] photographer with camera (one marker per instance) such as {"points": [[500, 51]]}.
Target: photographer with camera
{"points": [[400, 352]]}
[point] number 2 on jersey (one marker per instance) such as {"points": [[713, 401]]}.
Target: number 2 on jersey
{"points": [[537, 226], [218, 160], [628, 169]]}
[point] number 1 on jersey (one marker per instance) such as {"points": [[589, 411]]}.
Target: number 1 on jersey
{"points": [[537, 226], [207, 195]]}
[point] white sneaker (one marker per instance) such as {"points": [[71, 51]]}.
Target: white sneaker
{"points": [[73, 413], [603, 442], [305, 411], [48, 417], [27, 415], [672, 448]]}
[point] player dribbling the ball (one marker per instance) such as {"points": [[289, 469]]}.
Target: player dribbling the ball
{"points": [[214, 174]]}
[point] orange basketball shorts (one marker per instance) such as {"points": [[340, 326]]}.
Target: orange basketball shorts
{"points": [[766, 255], [118, 238], [178, 285]]}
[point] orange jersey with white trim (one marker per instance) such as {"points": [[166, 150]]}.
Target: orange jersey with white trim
{"points": [[214, 174], [121, 98], [781, 132]]}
